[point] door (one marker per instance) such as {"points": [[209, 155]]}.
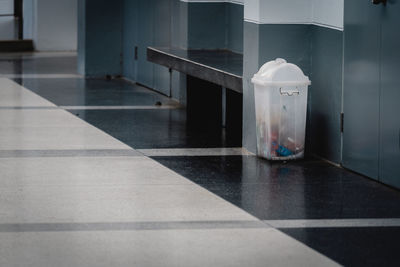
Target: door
{"points": [[390, 95], [361, 87]]}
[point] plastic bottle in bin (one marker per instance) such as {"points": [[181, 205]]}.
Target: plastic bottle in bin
{"points": [[281, 105]]}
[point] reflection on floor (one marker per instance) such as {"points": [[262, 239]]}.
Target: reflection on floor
{"points": [[308, 189], [76, 195]]}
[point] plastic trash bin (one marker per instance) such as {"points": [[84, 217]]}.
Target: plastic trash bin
{"points": [[280, 91]]}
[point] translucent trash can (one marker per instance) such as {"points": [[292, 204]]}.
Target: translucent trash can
{"points": [[280, 91]]}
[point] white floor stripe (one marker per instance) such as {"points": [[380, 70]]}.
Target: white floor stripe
{"points": [[118, 107], [236, 151], [334, 223]]}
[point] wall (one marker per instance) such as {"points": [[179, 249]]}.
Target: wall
{"points": [[146, 23], [81, 37], [130, 33], [328, 13], [214, 25], [235, 27], [179, 24], [326, 93], [301, 32], [100, 42], [116, 31], [52, 24], [29, 13], [6, 7], [371, 137]]}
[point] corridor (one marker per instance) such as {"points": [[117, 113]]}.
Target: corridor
{"points": [[105, 172]]}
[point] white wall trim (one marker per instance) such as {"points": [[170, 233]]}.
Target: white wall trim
{"points": [[295, 23], [327, 26], [323, 13]]}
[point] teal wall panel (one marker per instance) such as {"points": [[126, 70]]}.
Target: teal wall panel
{"points": [[103, 37], [162, 38], [371, 139], [251, 64], [326, 93], [130, 35], [291, 42], [361, 87], [145, 31], [235, 15], [146, 23], [215, 26], [207, 26], [100, 51], [390, 96]]}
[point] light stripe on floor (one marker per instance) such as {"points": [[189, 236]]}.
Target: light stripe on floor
{"points": [[69, 153], [95, 107], [120, 107], [130, 226], [192, 225], [334, 223], [28, 107], [176, 152]]}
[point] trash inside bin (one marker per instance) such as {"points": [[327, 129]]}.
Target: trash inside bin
{"points": [[280, 91]]}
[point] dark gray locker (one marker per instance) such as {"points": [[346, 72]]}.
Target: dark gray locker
{"points": [[390, 95], [361, 87]]}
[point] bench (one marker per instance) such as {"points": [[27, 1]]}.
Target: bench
{"points": [[221, 67]]}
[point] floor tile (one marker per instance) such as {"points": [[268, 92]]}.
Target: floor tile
{"points": [[158, 248], [158, 129], [13, 95], [306, 189], [42, 138], [85, 171], [42, 65], [353, 246], [114, 203], [94, 92], [38, 118], [69, 153]]}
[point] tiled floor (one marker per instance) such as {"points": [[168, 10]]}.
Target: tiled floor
{"points": [[149, 187]]}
